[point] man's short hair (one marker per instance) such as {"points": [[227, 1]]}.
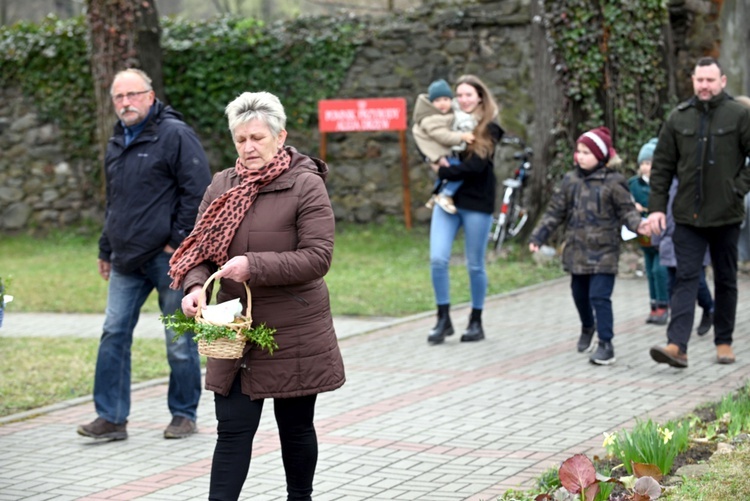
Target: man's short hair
{"points": [[135, 71], [708, 61]]}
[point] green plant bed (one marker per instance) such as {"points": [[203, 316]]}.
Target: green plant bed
{"points": [[709, 425]]}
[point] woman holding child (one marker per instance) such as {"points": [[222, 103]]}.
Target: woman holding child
{"points": [[474, 202]]}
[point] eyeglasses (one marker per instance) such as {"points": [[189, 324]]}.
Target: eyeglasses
{"points": [[130, 95]]}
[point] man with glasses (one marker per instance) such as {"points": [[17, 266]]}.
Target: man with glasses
{"points": [[156, 174]]}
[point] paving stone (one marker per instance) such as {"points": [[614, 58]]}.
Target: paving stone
{"points": [[460, 421]]}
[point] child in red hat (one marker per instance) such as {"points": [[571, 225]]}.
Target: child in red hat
{"points": [[592, 202]]}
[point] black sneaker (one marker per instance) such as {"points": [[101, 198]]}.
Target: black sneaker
{"points": [[604, 354], [707, 321], [101, 428], [586, 341]]}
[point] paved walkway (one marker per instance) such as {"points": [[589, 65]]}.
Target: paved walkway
{"points": [[459, 421]]}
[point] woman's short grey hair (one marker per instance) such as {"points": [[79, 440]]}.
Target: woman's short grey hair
{"points": [[257, 105]]}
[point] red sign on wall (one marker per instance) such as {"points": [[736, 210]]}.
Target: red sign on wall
{"points": [[347, 115]]}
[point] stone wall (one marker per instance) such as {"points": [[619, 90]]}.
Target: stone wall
{"points": [[491, 39], [38, 187], [402, 57], [735, 46]]}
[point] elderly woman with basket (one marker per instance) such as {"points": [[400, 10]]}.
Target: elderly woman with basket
{"points": [[266, 223]]}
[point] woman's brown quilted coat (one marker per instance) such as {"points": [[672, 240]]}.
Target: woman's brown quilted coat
{"points": [[287, 237]]}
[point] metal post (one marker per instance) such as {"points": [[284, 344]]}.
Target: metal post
{"points": [[405, 179]]}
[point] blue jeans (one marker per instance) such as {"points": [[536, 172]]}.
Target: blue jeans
{"points": [[656, 274], [592, 295], [126, 295], [448, 188], [443, 230]]}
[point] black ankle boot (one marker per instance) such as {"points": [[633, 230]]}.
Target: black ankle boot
{"points": [[443, 328], [474, 331]]}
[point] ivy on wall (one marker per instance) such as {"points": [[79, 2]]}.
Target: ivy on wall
{"points": [[610, 58], [50, 63], [206, 65]]}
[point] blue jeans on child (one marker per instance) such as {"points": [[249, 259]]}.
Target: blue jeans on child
{"points": [[126, 295], [656, 275], [443, 230], [592, 295], [448, 188]]}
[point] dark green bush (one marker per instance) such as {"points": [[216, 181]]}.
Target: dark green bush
{"points": [[206, 65]]}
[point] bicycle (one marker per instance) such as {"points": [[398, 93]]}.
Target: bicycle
{"points": [[512, 215]]}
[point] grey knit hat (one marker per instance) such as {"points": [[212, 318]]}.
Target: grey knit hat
{"points": [[439, 88]]}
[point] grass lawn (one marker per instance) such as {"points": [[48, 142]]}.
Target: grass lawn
{"points": [[376, 270]]}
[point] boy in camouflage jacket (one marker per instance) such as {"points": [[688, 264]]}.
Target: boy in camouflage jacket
{"points": [[592, 202]]}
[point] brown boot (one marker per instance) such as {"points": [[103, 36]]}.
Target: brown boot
{"points": [[671, 354], [724, 354]]}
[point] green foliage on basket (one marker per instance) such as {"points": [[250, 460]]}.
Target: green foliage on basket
{"points": [[609, 57], [206, 64], [262, 335]]}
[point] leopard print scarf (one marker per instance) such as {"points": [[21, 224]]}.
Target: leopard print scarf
{"points": [[212, 235]]}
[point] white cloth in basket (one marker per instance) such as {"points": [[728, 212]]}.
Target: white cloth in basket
{"points": [[223, 313]]}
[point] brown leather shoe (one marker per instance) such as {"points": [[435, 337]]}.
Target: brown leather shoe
{"points": [[670, 354], [101, 428], [724, 354], [180, 427]]}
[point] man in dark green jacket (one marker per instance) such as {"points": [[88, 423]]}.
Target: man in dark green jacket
{"points": [[703, 143]]}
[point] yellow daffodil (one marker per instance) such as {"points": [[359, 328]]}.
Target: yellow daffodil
{"points": [[666, 434], [609, 439]]}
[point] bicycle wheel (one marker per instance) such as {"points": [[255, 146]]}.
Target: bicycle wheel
{"points": [[500, 231], [504, 220]]}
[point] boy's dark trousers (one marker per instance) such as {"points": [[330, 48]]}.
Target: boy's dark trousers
{"points": [[592, 295], [690, 245]]}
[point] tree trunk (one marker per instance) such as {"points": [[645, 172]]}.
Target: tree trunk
{"points": [[120, 31], [266, 10], [148, 47], [546, 107]]}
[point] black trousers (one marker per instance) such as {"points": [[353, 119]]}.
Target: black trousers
{"points": [[690, 245], [238, 418]]}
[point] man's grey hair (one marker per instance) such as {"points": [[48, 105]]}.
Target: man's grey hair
{"points": [[263, 106], [135, 71]]}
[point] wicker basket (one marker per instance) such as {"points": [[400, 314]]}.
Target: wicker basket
{"points": [[224, 348]]}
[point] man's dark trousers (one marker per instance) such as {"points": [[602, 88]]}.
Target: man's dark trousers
{"points": [[690, 244]]}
